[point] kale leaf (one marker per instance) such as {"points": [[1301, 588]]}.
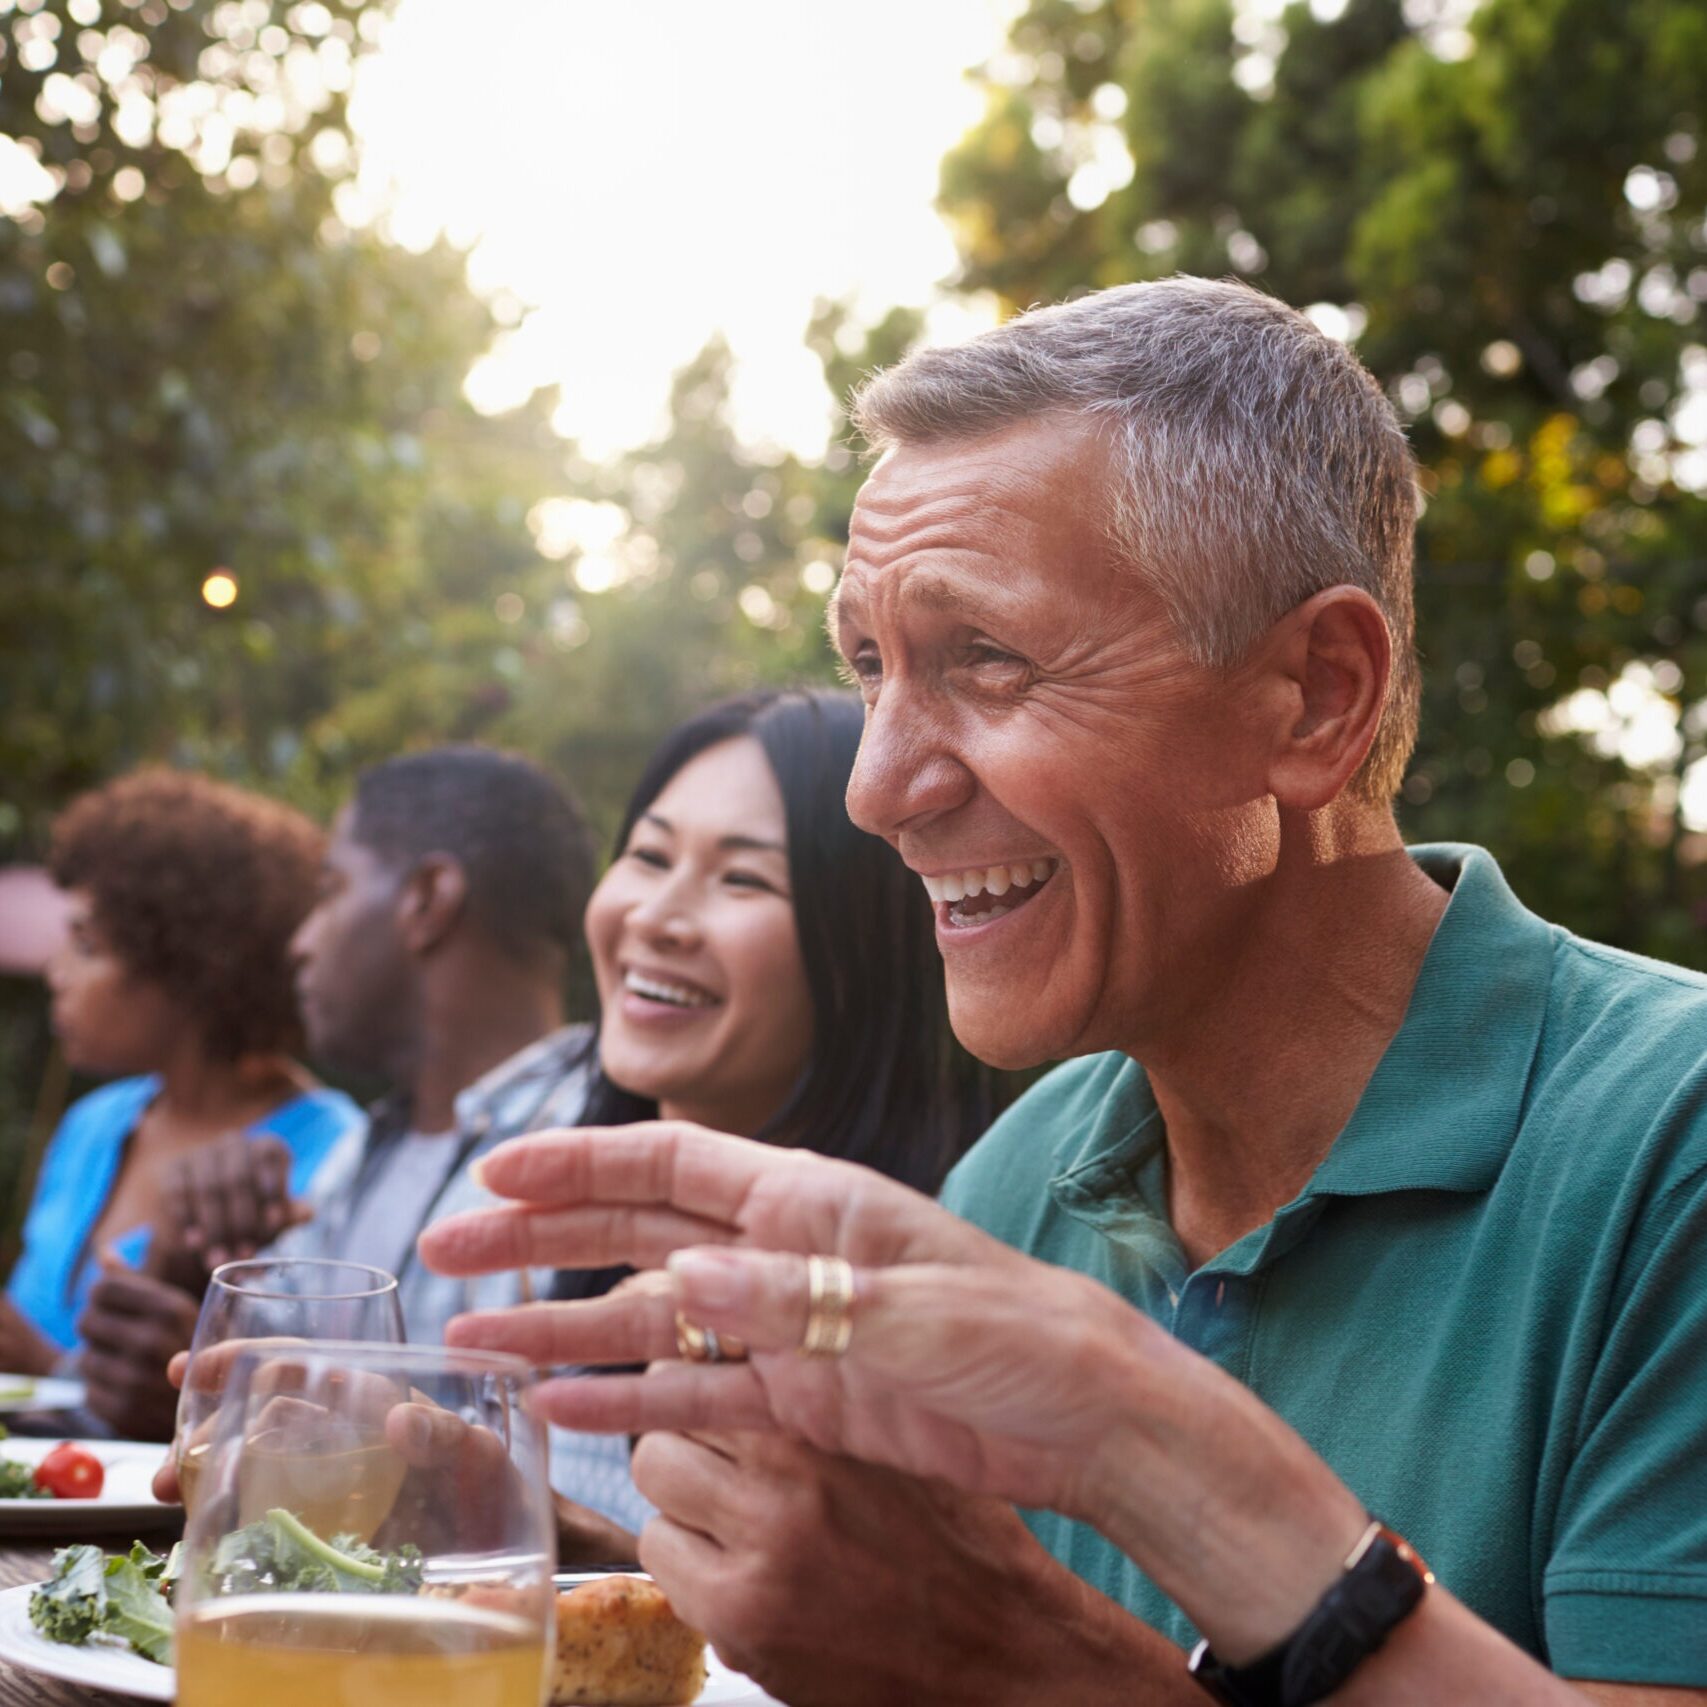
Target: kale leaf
{"points": [[136, 1609], [127, 1595], [72, 1604], [279, 1551], [159, 1568], [123, 1595]]}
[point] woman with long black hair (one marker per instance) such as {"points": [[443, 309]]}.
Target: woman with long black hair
{"points": [[766, 968]]}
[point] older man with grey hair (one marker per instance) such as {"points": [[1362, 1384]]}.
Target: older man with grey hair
{"points": [[1128, 597]]}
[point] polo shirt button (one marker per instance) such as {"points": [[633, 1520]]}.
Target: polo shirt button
{"points": [[1220, 1294]]}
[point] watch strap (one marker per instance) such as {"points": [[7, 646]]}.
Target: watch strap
{"points": [[1380, 1586]]}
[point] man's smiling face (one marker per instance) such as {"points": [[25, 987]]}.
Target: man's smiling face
{"points": [[1081, 798]]}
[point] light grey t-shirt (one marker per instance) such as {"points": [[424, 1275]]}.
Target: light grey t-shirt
{"points": [[386, 1219]]}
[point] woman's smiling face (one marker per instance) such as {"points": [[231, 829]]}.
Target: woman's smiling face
{"points": [[705, 1002]]}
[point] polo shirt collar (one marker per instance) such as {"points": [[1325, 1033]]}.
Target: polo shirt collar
{"points": [[1440, 1111]]}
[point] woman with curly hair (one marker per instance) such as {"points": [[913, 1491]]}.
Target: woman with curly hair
{"points": [[177, 977]]}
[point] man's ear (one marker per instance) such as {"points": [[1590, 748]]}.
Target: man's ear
{"points": [[430, 902], [1328, 661]]}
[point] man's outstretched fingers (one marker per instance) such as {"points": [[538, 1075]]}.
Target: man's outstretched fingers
{"points": [[487, 1241], [669, 1395], [621, 1327], [656, 1162]]}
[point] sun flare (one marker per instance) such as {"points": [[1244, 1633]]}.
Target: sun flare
{"points": [[632, 178]]}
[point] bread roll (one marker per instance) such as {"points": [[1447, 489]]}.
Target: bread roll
{"points": [[619, 1644]]}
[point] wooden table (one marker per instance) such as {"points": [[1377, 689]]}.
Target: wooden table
{"points": [[28, 1561]]}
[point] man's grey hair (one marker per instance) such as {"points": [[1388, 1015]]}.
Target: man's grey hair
{"points": [[1255, 459]]}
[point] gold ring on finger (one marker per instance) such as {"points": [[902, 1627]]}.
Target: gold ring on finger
{"points": [[829, 1307], [696, 1344], [706, 1345]]}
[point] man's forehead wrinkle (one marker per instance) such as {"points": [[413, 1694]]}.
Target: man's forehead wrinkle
{"points": [[877, 520], [955, 530], [991, 483], [965, 530], [943, 529]]}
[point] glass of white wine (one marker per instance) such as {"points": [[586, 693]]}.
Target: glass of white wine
{"points": [[447, 1601], [274, 1298]]}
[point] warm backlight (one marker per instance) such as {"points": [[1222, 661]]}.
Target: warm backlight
{"points": [[220, 589]]}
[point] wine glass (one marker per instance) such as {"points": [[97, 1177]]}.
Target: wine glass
{"points": [[275, 1298], [279, 1602]]}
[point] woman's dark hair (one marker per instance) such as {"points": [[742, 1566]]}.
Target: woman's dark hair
{"points": [[886, 1083], [198, 887]]}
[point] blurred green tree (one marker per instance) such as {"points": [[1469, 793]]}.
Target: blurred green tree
{"points": [[205, 372], [1504, 206]]}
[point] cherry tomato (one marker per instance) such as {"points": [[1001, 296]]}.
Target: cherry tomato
{"points": [[68, 1472]]}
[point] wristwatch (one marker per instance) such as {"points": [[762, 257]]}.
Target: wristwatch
{"points": [[1382, 1582]]}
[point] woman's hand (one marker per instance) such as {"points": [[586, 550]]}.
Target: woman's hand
{"points": [[968, 1361], [131, 1326]]}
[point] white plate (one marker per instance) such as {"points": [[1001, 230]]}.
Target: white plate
{"points": [[39, 1393], [23, 1646], [125, 1502]]}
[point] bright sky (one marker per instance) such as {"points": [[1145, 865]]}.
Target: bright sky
{"points": [[644, 173]]}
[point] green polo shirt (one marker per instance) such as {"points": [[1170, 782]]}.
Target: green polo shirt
{"points": [[1488, 1308]]}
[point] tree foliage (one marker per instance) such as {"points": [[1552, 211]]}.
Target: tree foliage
{"points": [[1507, 213], [204, 369], [708, 574]]}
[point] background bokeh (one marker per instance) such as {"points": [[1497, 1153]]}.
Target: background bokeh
{"points": [[252, 518]]}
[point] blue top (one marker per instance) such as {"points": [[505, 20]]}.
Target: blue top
{"points": [[51, 1280]]}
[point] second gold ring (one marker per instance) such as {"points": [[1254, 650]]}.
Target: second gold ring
{"points": [[706, 1345]]}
